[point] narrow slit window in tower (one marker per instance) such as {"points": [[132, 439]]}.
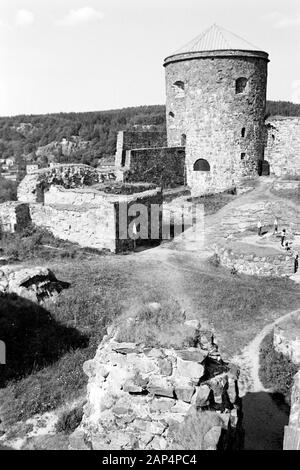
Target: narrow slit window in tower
{"points": [[179, 89], [243, 132]]}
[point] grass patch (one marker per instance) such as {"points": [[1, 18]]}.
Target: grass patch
{"points": [[8, 190], [38, 243], [69, 420], [293, 196], [50, 368], [213, 202], [156, 325], [235, 307], [276, 370], [106, 288]]}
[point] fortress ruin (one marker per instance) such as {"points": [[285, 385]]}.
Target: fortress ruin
{"points": [[217, 137]]}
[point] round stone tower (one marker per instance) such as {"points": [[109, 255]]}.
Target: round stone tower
{"points": [[216, 98]]}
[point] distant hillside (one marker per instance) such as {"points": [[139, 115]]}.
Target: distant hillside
{"points": [[76, 137], [85, 137], [282, 108]]}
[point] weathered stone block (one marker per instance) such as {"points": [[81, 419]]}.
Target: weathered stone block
{"points": [[190, 369], [160, 386]]}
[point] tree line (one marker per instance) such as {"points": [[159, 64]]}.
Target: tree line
{"points": [[21, 136]]}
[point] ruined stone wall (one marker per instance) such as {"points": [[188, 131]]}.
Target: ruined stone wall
{"points": [[148, 208], [292, 431], [77, 197], [8, 217], [32, 187], [89, 227], [283, 145], [90, 218], [147, 398], [14, 216], [162, 166], [128, 140], [212, 116], [273, 265]]}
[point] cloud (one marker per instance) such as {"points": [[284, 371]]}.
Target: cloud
{"points": [[280, 20], [80, 16], [24, 18], [296, 91]]}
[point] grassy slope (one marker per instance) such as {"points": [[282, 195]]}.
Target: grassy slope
{"points": [[237, 307]]}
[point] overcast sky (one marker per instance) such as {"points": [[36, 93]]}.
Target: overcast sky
{"points": [[85, 55]]}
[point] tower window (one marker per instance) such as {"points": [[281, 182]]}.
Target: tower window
{"points": [[243, 132], [179, 89], [201, 165], [240, 85], [183, 140], [243, 156], [171, 115]]}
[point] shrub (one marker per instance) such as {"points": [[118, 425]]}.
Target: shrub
{"points": [[8, 190], [276, 370], [158, 326], [32, 242], [69, 420]]}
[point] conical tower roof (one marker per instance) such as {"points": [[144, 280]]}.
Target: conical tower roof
{"points": [[217, 38]]}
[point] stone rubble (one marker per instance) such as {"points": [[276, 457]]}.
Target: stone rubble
{"points": [[35, 284], [139, 397]]}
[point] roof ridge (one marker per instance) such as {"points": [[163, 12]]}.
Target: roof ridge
{"points": [[240, 38], [196, 38], [217, 38]]}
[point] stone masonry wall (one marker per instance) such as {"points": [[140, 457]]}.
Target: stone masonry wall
{"points": [[146, 398], [128, 140], [283, 145], [162, 166], [147, 207], [89, 227], [76, 197], [292, 431], [212, 117], [90, 218], [8, 216], [279, 265], [32, 187]]}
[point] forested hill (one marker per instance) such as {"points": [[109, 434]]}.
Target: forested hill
{"points": [[88, 136], [282, 108], [92, 135]]}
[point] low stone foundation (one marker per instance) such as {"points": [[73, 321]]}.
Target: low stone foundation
{"points": [[286, 186], [279, 265], [158, 398]]}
